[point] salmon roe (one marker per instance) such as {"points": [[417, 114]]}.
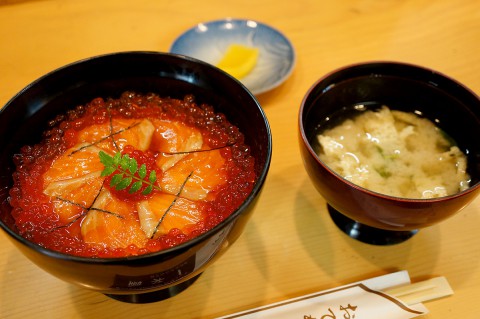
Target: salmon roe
{"points": [[34, 210]]}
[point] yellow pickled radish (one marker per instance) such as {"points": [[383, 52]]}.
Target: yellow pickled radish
{"points": [[239, 60]]}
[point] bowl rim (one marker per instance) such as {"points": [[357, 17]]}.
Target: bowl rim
{"points": [[313, 154], [180, 247]]}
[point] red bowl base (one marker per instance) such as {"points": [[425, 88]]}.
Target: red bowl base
{"points": [[368, 234]]}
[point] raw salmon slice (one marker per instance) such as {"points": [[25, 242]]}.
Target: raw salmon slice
{"points": [[74, 180], [121, 132], [172, 137], [112, 223], [176, 212], [207, 172], [78, 161], [72, 197]]}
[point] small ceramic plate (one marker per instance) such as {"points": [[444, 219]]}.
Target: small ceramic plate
{"points": [[209, 42]]}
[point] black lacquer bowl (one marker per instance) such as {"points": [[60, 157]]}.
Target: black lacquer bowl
{"points": [[155, 276], [365, 215]]}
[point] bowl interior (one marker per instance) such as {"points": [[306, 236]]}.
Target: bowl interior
{"points": [[408, 88], [363, 214], [27, 115]]}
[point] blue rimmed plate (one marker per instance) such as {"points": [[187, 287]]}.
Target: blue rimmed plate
{"points": [[209, 42]]}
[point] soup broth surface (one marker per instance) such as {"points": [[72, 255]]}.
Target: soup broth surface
{"points": [[395, 153]]}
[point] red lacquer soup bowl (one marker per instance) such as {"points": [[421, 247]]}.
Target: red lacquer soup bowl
{"points": [[370, 216], [153, 276]]}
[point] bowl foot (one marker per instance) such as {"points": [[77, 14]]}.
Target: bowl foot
{"points": [[154, 296], [368, 234]]}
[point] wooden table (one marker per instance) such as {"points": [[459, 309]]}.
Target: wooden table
{"points": [[291, 246]]}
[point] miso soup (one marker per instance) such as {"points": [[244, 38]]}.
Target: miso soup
{"points": [[395, 153]]}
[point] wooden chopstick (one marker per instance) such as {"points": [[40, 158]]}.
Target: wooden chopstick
{"points": [[421, 291]]}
